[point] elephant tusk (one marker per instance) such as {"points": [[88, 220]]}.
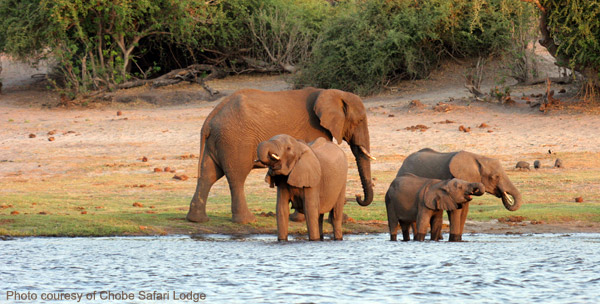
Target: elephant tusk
{"points": [[509, 198], [275, 156], [366, 153]]}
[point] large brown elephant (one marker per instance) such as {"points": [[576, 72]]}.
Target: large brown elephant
{"points": [[232, 131], [312, 176], [466, 166], [412, 200]]}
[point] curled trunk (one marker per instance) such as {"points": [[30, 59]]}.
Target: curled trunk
{"points": [[364, 170]]}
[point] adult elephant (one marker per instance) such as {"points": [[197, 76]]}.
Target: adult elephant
{"points": [[233, 130], [467, 166]]}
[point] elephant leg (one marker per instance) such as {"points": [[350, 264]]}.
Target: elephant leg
{"points": [[405, 231], [436, 226], [455, 233], [338, 215], [423, 218], [239, 208], [209, 172], [311, 211], [321, 226], [464, 211], [282, 213], [393, 225]]}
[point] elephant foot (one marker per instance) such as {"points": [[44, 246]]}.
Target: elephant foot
{"points": [[297, 217], [420, 237], [455, 238], [196, 216], [393, 237], [243, 218]]}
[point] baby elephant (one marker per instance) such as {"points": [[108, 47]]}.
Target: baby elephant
{"points": [[311, 176], [422, 200]]}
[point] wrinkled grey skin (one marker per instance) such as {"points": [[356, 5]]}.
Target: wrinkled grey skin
{"points": [[232, 131], [310, 176], [469, 167], [411, 199]]}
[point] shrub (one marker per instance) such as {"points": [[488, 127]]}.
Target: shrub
{"points": [[368, 44]]}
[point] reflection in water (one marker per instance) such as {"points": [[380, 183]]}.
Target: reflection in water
{"points": [[545, 268]]}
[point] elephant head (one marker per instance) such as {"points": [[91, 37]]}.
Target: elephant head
{"points": [[489, 171], [289, 157], [344, 116], [450, 194]]}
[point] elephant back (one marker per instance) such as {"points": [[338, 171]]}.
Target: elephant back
{"points": [[428, 163]]}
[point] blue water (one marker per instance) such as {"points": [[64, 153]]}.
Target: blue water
{"points": [[538, 268]]}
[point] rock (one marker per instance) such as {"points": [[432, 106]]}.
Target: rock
{"points": [[51, 138], [523, 165], [558, 163], [32, 135], [579, 199], [52, 132], [536, 164], [391, 115], [464, 129], [14, 212], [421, 128], [181, 177], [138, 204], [158, 170], [119, 113], [83, 212], [415, 104], [144, 159], [483, 125]]}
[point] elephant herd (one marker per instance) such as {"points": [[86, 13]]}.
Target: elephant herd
{"points": [[294, 134]]}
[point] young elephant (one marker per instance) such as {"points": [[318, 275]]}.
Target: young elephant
{"points": [[312, 176], [422, 200]]}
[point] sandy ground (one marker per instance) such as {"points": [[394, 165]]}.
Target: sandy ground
{"points": [[82, 134]]}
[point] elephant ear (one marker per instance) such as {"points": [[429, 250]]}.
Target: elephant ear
{"points": [[466, 166], [307, 170], [330, 109], [438, 198]]}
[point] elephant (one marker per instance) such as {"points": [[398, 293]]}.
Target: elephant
{"points": [[522, 165], [312, 176], [412, 200], [469, 167], [231, 133]]}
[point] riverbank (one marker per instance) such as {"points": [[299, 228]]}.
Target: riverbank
{"points": [[129, 168]]}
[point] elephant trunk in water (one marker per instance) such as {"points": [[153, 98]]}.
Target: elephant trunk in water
{"points": [[363, 162]]}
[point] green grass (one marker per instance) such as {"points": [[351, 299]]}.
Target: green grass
{"points": [[106, 195]]}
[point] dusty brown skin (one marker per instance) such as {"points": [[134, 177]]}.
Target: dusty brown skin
{"points": [[232, 131], [310, 176], [412, 199], [469, 167]]}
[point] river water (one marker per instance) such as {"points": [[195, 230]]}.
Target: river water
{"points": [[536, 268]]}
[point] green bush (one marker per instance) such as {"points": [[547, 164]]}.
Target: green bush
{"points": [[574, 27], [368, 44]]}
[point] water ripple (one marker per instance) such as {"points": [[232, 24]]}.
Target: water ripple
{"points": [[553, 268]]}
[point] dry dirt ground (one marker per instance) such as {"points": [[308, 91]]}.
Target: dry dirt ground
{"points": [[169, 124]]}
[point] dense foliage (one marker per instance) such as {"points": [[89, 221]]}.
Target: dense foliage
{"points": [[574, 27], [368, 44], [355, 45]]}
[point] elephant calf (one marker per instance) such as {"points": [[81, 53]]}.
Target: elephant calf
{"points": [[312, 176], [422, 200]]}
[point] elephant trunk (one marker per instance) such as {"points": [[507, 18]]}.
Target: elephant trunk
{"points": [[363, 162], [477, 189], [265, 152], [511, 197]]}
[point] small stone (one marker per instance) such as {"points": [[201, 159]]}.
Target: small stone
{"points": [[484, 125], [391, 115], [51, 138], [158, 170], [32, 135], [52, 132], [181, 177], [83, 212], [464, 129], [144, 159], [14, 212], [119, 113], [138, 204], [579, 199]]}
